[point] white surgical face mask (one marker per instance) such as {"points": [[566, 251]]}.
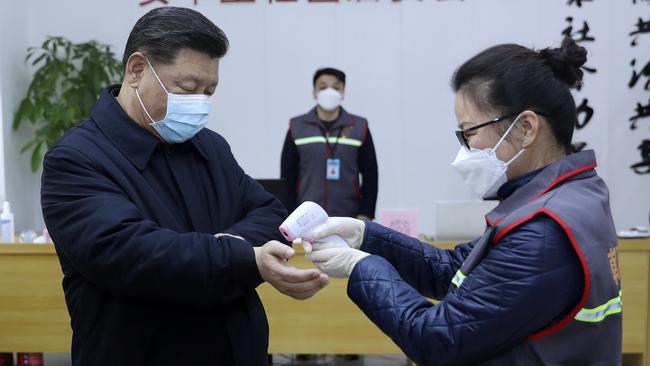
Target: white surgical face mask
{"points": [[482, 170], [186, 114], [329, 99]]}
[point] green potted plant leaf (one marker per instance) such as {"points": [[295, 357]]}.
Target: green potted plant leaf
{"points": [[66, 84]]}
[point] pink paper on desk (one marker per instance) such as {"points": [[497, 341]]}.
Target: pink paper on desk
{"points": [[405, 221]]}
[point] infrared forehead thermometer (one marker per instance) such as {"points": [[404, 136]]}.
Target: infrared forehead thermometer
{"points": [[304, 220]]}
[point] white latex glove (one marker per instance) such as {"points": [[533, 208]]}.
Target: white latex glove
{"points": [[333, 260], [351, 230]]}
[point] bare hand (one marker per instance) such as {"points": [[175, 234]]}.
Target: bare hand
{"points": [[272, 264]]}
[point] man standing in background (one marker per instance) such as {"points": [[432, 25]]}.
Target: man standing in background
{"points": [[325, 152]]}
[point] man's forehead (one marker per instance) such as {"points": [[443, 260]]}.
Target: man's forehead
{"points": [[193, 71], [328, 78], [186, 74]]}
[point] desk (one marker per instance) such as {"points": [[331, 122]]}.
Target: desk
{"points": [[33, 316]]}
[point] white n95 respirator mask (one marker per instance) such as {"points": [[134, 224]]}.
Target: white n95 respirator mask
{"points": [[329, 99], [482, 170]]}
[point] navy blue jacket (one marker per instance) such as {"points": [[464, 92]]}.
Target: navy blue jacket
{"points": [[530, 280], [133, 221]]}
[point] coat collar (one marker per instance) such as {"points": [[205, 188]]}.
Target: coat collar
{"points": [[513, 185], [570, 167], [133, 141]]}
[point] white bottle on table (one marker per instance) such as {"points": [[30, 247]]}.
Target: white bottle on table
{"points": [[7, 224]]}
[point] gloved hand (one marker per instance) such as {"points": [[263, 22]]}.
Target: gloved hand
{"points": [[333, 260], [349, 229]]}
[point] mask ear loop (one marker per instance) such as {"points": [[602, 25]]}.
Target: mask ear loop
{"points": [[140, 99], [516, 156], [506, 133], [143, 107], [156, 75], [503, 138]]}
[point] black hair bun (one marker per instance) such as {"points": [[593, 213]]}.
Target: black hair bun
{"points": [[566, 61]]}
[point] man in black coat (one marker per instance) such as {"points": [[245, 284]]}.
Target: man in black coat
{"points": [[161, 236]]}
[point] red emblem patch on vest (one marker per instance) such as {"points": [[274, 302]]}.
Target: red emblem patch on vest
{"points": [[613, 264], [346, 132]]}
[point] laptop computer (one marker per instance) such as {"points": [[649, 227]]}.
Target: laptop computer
{"points": [[461, 220]]}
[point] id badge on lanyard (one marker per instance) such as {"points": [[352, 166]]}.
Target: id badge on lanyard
{"points": [[333, 165], [333, 169]]}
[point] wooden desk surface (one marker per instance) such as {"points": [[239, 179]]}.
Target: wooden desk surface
{"points": [[33, 316], [624, 245]]}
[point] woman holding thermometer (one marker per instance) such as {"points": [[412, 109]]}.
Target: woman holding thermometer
{"points": [[541, 286]]}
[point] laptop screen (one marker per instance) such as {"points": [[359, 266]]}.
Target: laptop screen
{"points": [[461, 220]]}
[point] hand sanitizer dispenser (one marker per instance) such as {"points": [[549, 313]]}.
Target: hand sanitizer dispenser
{"points": [[7, 224]]}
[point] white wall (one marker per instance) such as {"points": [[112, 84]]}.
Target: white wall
{"points": [[399, 57], [17, 183], [2, 119], [630, 193]]}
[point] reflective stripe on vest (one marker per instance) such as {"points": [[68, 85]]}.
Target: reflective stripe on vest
{"points": [[332, 140], [595, 315], [598, 314], [458, 279]]}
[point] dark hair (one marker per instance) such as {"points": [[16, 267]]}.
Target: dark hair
{"points": [[510, 78], [338, 74], [162, 32]]}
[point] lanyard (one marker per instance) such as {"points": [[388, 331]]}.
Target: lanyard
{"points": [[327, 140]]}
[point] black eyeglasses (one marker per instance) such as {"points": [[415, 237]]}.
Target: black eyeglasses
{"points": [[461, 133]]}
